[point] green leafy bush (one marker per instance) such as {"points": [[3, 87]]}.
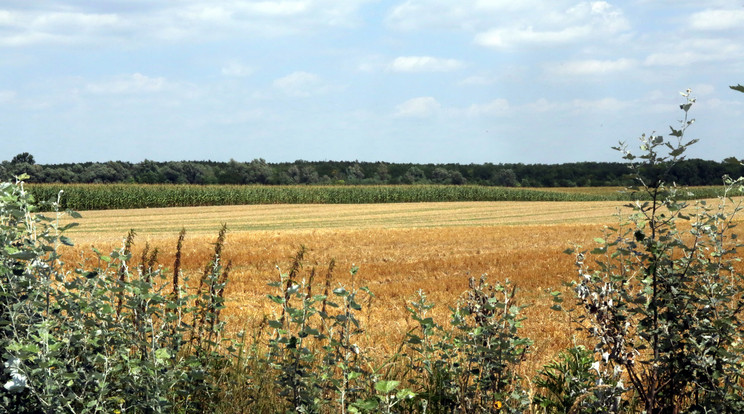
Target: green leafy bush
{"points": [[563, 381], [470, 368], [663, 298], [318, 366], [311, 354], [115, 338]]}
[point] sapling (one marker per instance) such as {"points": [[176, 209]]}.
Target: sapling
{"points": [[660, 293]]}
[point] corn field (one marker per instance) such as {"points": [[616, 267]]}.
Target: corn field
{"points": [[131, 196]]}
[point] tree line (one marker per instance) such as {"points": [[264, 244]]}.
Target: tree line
{"points": [[258, 171]]}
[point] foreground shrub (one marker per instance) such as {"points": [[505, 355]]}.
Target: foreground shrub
{"points": [[318, 365], [562, 382], [116, 338], [663, 298], [470, 368]]}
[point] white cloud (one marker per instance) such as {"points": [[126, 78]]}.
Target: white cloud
{"points": [[421, 107], [424, 64], [603, 104], [703, 89], [591, 67], [64, 22], [477, 80], [715, 20], [424, 107], [507, 38], [7, 96], [276, 8], [577, 106], [26, 27], [503, 5], [370, 66], [584, 21], [128, 84], [460, 14], [301, 84], [417, 14], [497, 107], [687, 52], [427, 106], [507, 23], [237, 70]]}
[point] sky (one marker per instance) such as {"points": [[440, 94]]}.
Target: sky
{"points": [[422, 81]]}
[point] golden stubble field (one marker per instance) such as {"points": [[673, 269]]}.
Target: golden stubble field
{"points": [[399, 248]]}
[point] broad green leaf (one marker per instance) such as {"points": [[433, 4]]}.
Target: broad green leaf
{"points": [[275, 324], [162, 354], [369, 405], [386, 387], [276, 299], [23, 255], [405, 394]]}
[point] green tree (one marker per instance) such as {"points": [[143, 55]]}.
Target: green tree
{"points": [[23, 157], [441, 176], [301, 174], [354, 173], [24, 163], [148, 172], [414, 175], [382, 172], [259, 172], [505, 178]]}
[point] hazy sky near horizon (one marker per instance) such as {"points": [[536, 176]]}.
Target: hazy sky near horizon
{"points": [[462, 81]]}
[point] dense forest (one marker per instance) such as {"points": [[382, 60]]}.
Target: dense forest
{"points": [[258, 171]]}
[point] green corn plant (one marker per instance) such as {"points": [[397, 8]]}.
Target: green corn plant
{"points": [[128, 196]]}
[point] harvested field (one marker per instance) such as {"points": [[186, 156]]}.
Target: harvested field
{"points": [[168, 221], [400, 249]]}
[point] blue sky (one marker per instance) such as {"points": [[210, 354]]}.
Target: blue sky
{"points": [[464, 81]]}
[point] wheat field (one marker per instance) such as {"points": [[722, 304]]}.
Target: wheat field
{"points": [[399, 248]]}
